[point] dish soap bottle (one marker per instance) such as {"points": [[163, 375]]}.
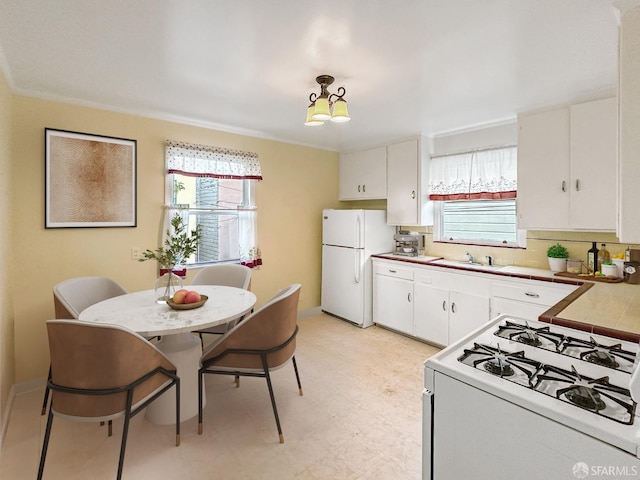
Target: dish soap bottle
{"points": [[603, 256], [592, 258]]}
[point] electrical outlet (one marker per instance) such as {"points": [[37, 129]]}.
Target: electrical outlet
{"points": [[135, 253]]}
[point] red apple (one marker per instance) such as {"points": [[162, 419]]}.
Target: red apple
{"points": [[179, 296], [191, 297]]}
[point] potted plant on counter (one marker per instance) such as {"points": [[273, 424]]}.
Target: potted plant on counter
{"points": [[557, 256], [179, 245]]}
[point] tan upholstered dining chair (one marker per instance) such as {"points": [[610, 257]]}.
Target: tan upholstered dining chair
{"points": [[72, 296], [102, 372], [263, 342], [229, 275]]}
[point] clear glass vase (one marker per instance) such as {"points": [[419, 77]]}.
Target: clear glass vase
{"points": [[166, 285]]}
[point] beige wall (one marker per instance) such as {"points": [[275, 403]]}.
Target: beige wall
{"points": [[7, 360], [298, 183]]}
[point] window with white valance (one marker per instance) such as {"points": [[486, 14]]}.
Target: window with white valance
{"points": [[214, 187], [207, 161], [475, 197], [484, 174]]}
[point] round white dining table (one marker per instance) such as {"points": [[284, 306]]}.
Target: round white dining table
{"points": [[139, 312]]}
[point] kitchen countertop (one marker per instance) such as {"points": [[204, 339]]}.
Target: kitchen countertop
{"points": [[611, 309]]}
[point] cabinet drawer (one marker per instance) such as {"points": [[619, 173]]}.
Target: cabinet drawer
{"points": [[538, 294], [393, 271]]}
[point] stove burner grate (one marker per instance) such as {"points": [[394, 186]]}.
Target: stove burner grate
{"points": [[537, 337], [511, 365], [605, 355], [595, 395]]}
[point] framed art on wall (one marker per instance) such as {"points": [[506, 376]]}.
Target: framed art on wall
{"points": [[90, 180]]}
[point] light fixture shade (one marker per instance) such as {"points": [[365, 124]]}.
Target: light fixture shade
{"points": [[322, 109], [340, 112], [310, 121]]}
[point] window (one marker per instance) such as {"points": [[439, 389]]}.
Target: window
{"points": [[488, 222], [475, 197], [214, 188]]}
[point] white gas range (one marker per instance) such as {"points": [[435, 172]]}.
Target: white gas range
{"points": [[531, 400]]}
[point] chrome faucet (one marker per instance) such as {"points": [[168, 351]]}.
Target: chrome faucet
{"points": [[469, 257], [490, 260]]}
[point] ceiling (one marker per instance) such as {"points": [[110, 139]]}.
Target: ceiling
{"points": [[248, 66]]}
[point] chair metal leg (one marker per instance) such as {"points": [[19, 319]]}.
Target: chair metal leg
{"points": [[237, 381], [295, 368], [200, 380], [273, 398], [46, 393], [45, 444], [125, 431], [177, 387]]}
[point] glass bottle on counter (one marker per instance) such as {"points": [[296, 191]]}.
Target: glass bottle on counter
{"points": [[592, 258], [603, 256]]}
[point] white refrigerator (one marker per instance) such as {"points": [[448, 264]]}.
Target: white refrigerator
{"points": [[349, 238]]}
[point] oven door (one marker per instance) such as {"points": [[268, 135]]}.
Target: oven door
{"points": [[476, 434], [427, 434]]}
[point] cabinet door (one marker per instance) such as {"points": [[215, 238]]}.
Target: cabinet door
{"points": [[593, 165], [629, 104], [431, 313], [393, 303], [467, 312], [543, 170], [403, 184], [374, 173], [363, 174]]}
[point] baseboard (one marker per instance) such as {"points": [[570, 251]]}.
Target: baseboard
{"points": [[6, 416]]}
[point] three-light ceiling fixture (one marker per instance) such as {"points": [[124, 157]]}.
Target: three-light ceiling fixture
{"points": [[327, 106]]}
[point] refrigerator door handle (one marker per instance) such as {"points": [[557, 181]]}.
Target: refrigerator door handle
{"points": [[358, 232], [356, 266]]}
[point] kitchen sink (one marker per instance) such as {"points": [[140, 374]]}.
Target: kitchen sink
{"points": [[467, 264]]}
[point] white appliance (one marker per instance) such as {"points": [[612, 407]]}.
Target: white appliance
{"points": [[349, 238], [530, 400]]}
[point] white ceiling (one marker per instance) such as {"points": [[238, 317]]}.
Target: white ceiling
{"points": [[409, 66]]}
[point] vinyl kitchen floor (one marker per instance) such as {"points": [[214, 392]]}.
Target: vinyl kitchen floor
{"points": [[359, 418]]}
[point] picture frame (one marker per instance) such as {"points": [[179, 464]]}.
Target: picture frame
{"points": [[90, 180]]}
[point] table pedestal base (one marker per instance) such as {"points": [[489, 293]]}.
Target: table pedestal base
{"points": [[184, 351]]}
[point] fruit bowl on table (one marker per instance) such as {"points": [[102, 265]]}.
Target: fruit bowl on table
{"points": [[187, 306]]}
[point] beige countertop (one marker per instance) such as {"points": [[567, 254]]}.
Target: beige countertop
{"points": [[606, 308]]}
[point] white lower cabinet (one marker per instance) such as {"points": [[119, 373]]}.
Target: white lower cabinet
{"points": [[449, 305], [429, 303], [393, 297], [441, 306], [431, 311], [527, 299]]}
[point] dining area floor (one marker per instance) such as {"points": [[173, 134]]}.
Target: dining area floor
{"points": [[360, 418]]}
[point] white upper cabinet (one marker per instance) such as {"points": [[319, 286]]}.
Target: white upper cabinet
{"points": [[363, 174], [543, 169], [593, 156], [407, 185], [567, 167], [629, 163]]}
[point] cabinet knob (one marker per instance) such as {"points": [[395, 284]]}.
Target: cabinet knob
{"points": [[577, 185], [564, 186], [358, 188], [364, 188], [453, 307], [532, 294], [409, 297], [444, 305], [413, 194]]}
